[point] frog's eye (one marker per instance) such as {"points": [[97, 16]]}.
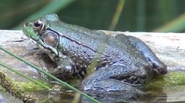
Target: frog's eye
{"points": [[51, 39], [38, 25]]}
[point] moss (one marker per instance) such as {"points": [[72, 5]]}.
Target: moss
{"points": [[31, 87], [171, 79]]}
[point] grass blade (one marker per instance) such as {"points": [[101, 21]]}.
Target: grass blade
{"points": [[23, 75], [51, 76]]}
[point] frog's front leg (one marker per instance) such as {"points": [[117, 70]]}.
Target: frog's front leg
{"points": [[64, 69], [116, 78]]}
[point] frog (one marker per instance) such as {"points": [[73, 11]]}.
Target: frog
{"points": [[123, 63]]}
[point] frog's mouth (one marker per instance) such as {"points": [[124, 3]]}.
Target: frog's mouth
{"points": [[29, 31], [44, 41]]}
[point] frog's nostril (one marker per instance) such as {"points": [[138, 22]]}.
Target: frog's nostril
{"points": [[27, 24]]}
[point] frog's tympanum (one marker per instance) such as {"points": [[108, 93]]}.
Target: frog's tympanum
{"points": [[123, 63]]}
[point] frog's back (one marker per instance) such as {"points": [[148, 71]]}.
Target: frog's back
{"points": [[107, 50], [84, 46]]}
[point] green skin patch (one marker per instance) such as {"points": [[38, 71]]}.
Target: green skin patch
{"points": [[28, 31]]}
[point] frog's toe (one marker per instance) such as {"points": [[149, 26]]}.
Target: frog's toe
{"points": [[159, 68]]}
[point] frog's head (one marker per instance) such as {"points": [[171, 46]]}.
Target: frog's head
{"points": [[39, 30]]}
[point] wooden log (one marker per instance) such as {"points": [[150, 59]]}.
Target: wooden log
{"points": [[169, 47]]}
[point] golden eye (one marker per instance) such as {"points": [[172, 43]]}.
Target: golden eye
{"points": [[38, 25], [51, 39]]}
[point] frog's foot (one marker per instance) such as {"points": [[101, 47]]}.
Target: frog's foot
{"points": [[111, 85], [120, 97], [116, 78], [113, 89]]}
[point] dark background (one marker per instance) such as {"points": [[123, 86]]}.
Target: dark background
{"points": [[136, 15]]}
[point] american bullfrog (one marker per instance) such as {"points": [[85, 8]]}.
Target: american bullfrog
{"points": [[123, 63]]}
